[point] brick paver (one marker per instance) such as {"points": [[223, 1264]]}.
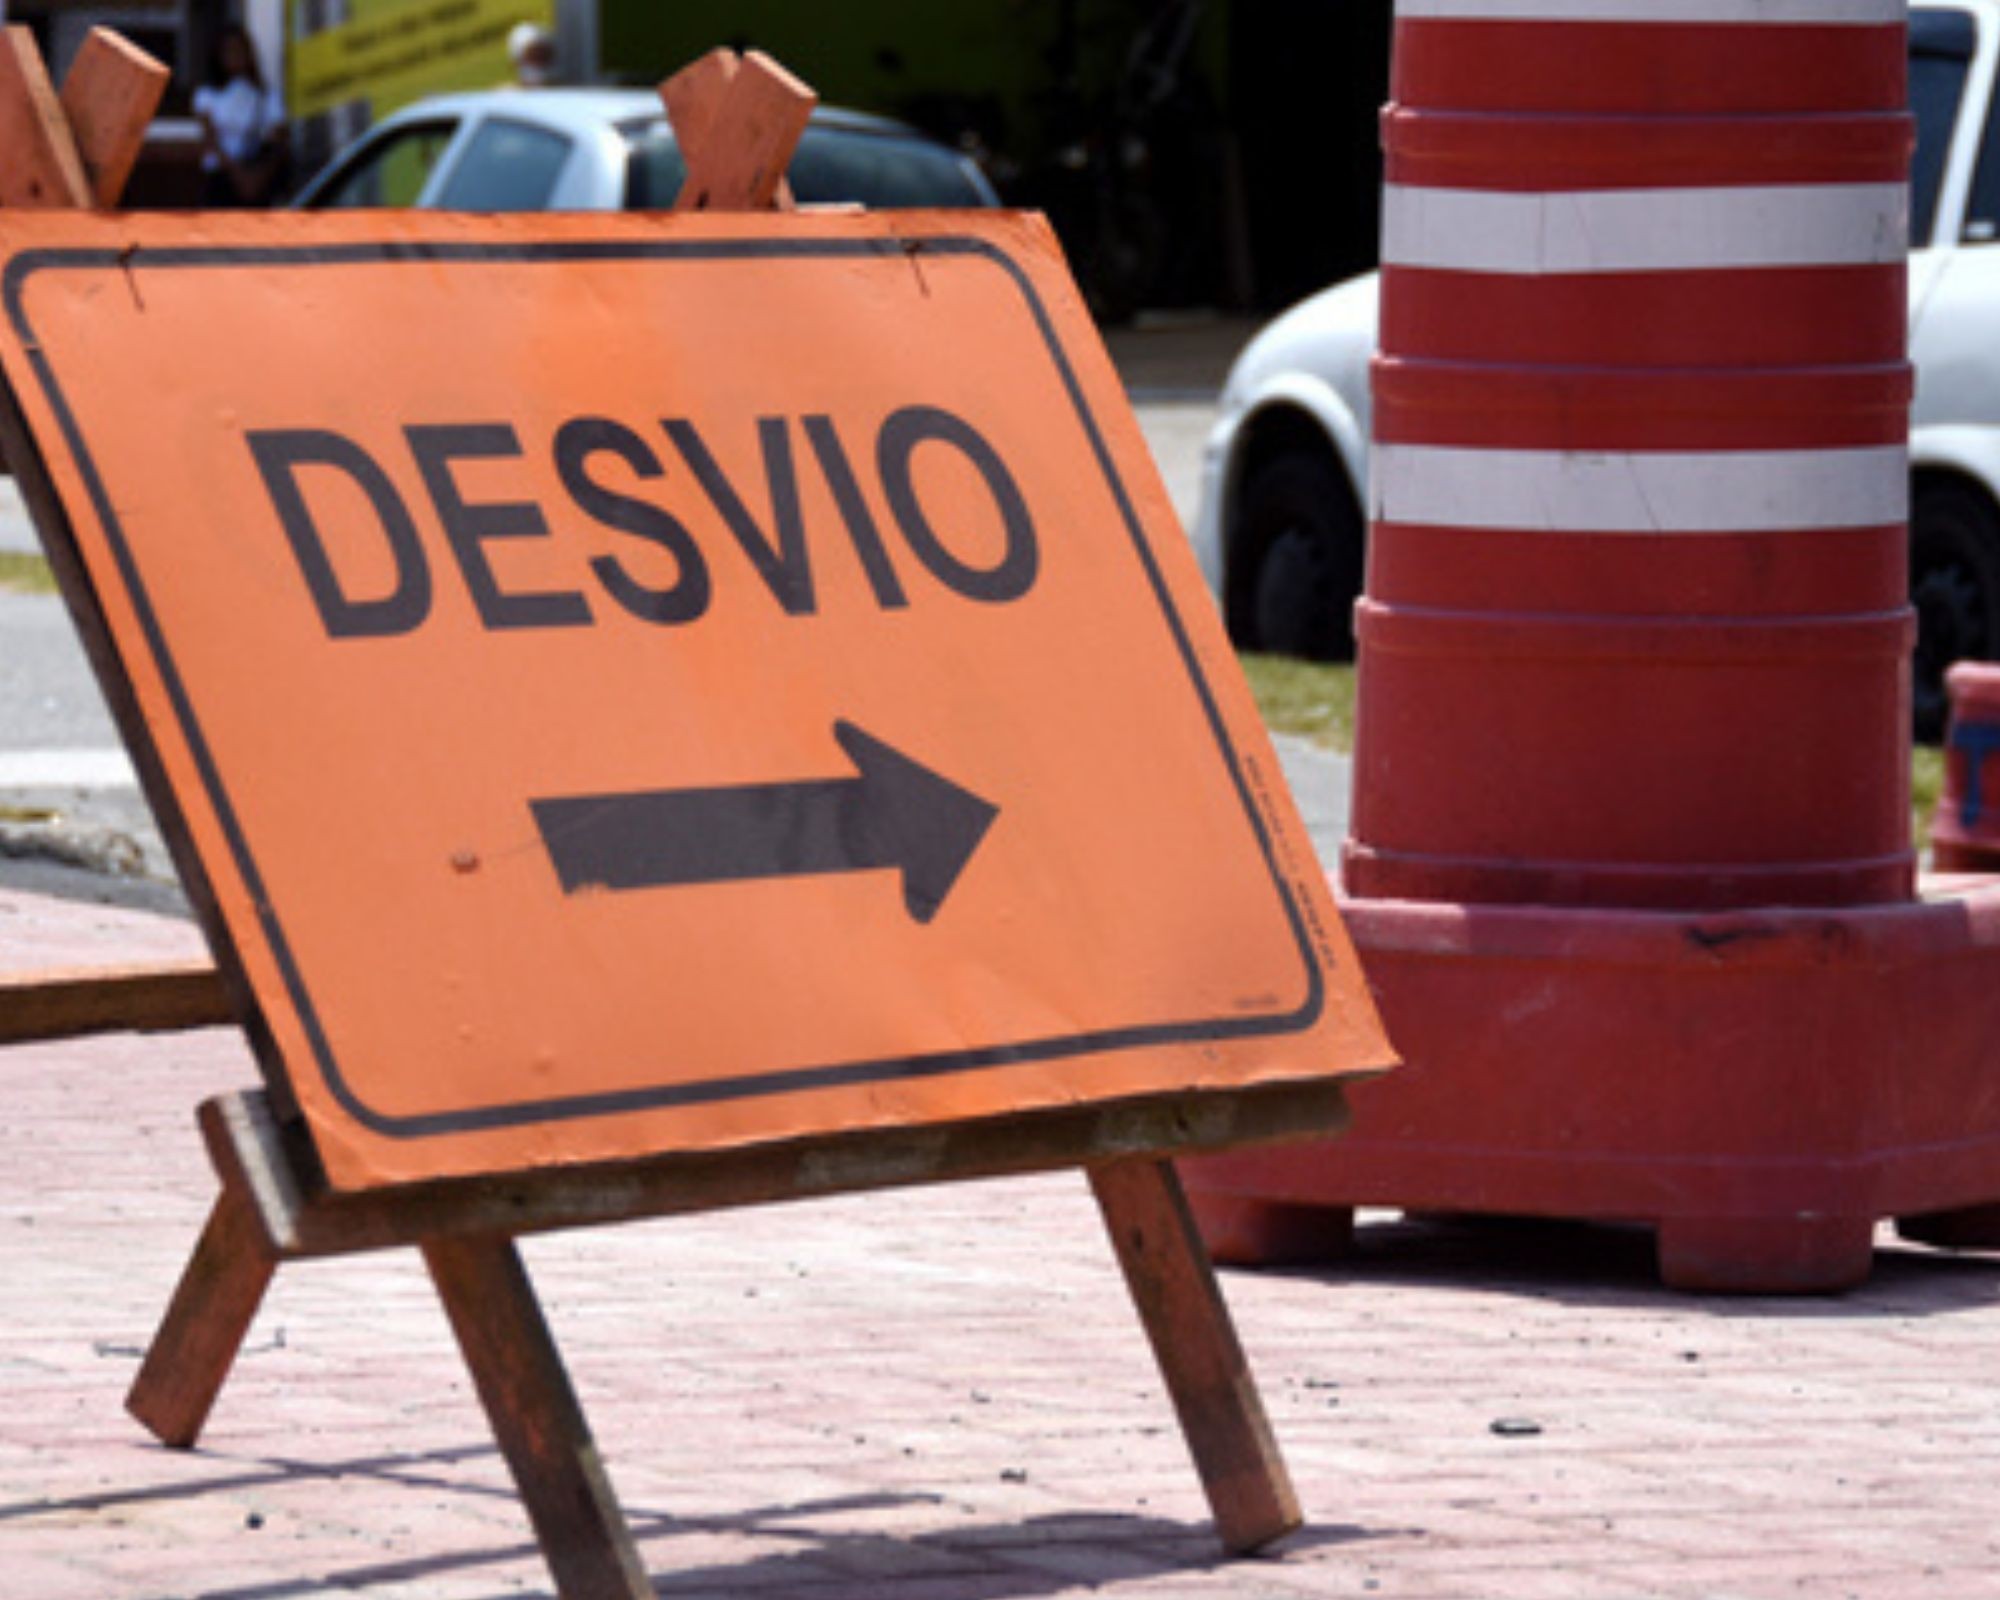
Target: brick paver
{"points": [[942, 1395]]}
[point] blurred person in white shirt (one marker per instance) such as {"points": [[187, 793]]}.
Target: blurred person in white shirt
{"points": [[245, 141]]}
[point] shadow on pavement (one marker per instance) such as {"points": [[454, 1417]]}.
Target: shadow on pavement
{"points": [[269, 1472], [1613, 1265], [793, 1548]]}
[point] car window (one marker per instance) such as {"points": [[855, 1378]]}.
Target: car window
{"points": [[654, 170], [391, 172], [1940, 54], [879, 170], [508, 166], [1982, 206]]}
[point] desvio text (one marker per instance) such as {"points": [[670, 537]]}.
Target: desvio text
{"points": [[590, 453]]}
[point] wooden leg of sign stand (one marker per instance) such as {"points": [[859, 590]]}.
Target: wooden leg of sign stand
{"points": [[1174, 1288], [501, 1333], [271, 1211], [536, 1418], [205, 1326]]}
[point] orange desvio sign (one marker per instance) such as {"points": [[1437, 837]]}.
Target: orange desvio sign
{"points": [[640, 684]]}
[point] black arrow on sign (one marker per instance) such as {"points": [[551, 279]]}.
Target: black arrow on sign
{"points": [[894, 812]]}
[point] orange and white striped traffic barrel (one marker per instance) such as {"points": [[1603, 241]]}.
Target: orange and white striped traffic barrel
{"points": [[1636, 629]]}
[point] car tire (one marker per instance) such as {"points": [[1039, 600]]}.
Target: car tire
{"points": [[1954, 589], [1299, 535]]}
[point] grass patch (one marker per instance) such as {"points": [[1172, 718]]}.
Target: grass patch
{"points": [[1926, 779], [21, 573], [1316, 702], [1307, 698]]}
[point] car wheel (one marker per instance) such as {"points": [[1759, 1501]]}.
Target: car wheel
{"points": [[1295, 582], [1955, 590]]}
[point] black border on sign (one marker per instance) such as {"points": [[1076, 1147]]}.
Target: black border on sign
{"points": [[744, 1086]]}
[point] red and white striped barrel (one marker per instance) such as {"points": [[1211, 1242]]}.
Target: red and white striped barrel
{"points": [[1636, 630]]}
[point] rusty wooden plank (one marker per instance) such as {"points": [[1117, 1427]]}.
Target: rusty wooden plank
{"points": [[141, 997], [206, 1323], [536, 1417], [763, 111], [272, 1162], [110, 95], [39, 164], [1174, 1288]]}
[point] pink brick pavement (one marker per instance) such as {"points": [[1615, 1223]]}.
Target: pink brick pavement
{"points": [[942, 1395]]}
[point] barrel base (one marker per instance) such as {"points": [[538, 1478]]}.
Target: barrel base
{"points": [[1245, 1232], [1765, 1255], [1762, 1086]]}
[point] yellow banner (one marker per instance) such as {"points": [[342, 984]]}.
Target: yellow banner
{"points": [[391, 52]]}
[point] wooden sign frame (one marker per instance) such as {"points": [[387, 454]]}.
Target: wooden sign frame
{"points": [[739, 120]]}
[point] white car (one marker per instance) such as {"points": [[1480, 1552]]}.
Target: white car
{"points": [[1281, 531], [612, 150]]}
